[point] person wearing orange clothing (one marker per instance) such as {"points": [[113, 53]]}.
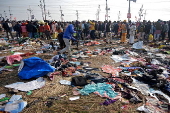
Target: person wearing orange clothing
{"points": [[92, 29], [47, 31], [41, 30], [124, 32]]}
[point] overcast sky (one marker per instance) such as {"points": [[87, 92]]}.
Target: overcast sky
{"points": [[87, 9]]}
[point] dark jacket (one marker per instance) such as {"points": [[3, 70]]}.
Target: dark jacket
{"points": [[108, 26], [5, 26], [17, 28], [100, 27], [29, 27], [116, 27]]}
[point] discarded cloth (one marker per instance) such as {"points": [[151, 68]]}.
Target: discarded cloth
{"points": [[35, 67], [10, 59], [110, 69], [138, 45], [15, 104], [102, 89], [35, 84]]}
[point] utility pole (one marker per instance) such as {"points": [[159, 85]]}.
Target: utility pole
{"points": [[41, 6], [145, 14], [98, 13], [141, 12], [61, 14], [5, 15], [129, 10], [30, 10], [49, 14], [106, 16], [119, 16], [10, 15], [77, 14], [44, 9]]}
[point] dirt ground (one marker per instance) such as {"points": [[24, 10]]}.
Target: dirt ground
{"points": [[86, 104]]}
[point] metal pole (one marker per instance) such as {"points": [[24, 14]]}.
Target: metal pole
{"points": [[41, 9], [77, 14], [129, 10], [44, 9]]}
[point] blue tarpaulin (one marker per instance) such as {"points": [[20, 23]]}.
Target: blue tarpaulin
{"points": [[35, 67]]}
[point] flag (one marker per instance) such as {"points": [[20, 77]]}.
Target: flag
{"points": [[15, 18]]}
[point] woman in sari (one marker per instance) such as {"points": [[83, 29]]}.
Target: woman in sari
{"points": [[124, 32]]}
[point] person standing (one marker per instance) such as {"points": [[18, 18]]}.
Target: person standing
{"points": [[7, 29], [41, 30], [124, 32], [165, 29], [24, 30], [140, 31], [115, 29], [17, 28], [169, 31], [68, 35], [108, 33], [29, 28], [47, 31], [158, 30], [92, 30], [132, 33]]}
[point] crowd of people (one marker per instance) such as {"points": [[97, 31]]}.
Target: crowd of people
{"points": [[90, 29]]}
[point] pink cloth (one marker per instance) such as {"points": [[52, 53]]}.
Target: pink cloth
{"points": [[12, 58], [23, 28], [110, 69]]}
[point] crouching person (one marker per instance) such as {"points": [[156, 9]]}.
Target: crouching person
{"points": [[68, 35]]}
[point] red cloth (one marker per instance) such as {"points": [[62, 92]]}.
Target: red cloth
{"points": [[41, 29], [12, 58]]}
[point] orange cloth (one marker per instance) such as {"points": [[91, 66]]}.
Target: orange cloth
{"points": [[46, 28], [123, 38]]}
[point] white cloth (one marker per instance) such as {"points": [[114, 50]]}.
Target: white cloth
{"points": [[131, 39]]}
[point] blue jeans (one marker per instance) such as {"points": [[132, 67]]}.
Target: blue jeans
{"points": [[30, 34]]}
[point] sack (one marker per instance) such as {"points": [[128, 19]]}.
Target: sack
{"points": [[55, 35], [150, 37], [79, 81]]}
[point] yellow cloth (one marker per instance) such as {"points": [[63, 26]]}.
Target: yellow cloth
{"points": [[92, 25]]}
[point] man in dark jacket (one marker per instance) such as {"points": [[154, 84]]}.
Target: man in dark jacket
{"points": [[29, 28], [100, 29], [115, 29], [169, 31], [17, 28], [147, 29], [7, 29]]}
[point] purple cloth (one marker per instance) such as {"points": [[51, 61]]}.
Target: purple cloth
{"points": [[108, 102]]}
